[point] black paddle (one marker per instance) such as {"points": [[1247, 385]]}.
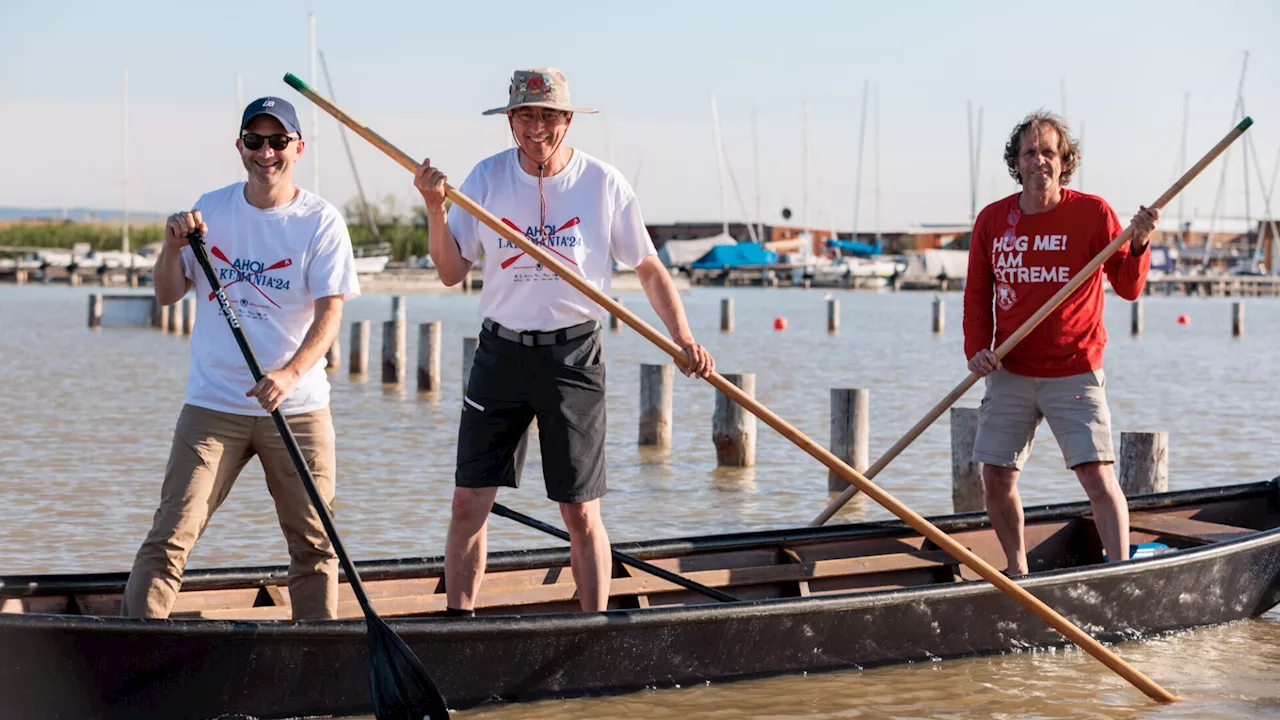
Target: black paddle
{"points": [[503, 511], [400, 686]]}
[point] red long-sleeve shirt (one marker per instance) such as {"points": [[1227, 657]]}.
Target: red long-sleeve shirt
{"points": [[1016, 264]]}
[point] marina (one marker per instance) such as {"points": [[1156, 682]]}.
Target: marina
{"points": [[697, 393]]}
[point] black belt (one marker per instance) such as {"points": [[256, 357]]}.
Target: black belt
{"points": [[540, 338]]}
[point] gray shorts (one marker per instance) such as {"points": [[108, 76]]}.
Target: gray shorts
{"points": [[563, 386], [1075, 406]]}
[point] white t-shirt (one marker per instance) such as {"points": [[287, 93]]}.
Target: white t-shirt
{"points": [[592, 213], [273, 265]]}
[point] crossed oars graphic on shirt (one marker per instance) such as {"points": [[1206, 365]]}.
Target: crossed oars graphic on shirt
{"points": [[242, 275], [507, 263]]}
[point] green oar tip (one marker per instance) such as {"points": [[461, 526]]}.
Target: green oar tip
{"points": [[1245, 123], [295, 82]]}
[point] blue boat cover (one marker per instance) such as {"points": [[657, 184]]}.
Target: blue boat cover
{"points": [[747, 253]]}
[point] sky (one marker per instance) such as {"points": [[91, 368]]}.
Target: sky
{"points": [[420, 73]]}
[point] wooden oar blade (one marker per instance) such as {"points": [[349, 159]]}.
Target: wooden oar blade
{"points": [[401, 688]]}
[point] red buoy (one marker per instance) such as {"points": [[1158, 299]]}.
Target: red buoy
{"points": [[779, 323], [1184, 320]]}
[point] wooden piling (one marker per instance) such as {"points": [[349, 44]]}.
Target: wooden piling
{"points": [[733, 430], [189, 316], [95, 310], [429, 338], [833, 317], [469, 345], [1135, 322], [939, 316], [850, 432], [656, 384], [614, 323], [726, 314], [398, 309], [73, 278], [333, 356], [966, 475], [359, 360], [393, 352], [1237, 319], [176, 314], [160, 316], [1144, 462]]}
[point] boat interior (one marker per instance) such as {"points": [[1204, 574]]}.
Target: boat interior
{"points": [[749, 566]]}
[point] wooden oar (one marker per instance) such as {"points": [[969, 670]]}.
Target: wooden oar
{"points": [[400, 686], [1029, 325], [924, 527], [506, 512]]}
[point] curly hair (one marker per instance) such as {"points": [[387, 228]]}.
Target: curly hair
{"points": [[1068, 147]]}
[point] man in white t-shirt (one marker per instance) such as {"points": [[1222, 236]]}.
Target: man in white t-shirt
{"points": [[284, 257], [539, 353]]}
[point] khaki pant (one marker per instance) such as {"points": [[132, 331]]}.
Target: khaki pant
{"points": [[209, 450]]}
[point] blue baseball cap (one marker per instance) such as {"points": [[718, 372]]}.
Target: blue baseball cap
{"points": [[275, 107]]}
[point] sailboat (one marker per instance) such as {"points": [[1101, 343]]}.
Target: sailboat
{"points": [[364, 264]]}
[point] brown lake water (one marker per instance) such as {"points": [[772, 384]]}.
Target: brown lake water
{"points": [[86, 418]]}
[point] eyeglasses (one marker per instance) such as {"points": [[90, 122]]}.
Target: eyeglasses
{"points": [[550, 117], [278, 142]]}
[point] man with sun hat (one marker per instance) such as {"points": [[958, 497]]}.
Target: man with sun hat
{"points": [[539, 354]]}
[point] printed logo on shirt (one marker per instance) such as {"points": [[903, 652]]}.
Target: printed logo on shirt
{"points": [[549, 237], [1005, 296], [248, 310], [1007, 258], [255, 273]]}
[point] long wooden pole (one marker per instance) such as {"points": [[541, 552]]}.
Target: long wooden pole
{"points": [[1030, 324], [915, 521]]}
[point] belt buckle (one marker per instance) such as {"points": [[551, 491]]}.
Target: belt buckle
{"points": [[528, 340]]}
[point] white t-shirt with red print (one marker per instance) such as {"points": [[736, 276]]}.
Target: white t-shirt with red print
{"points": [[273, 264], [592, 214]]}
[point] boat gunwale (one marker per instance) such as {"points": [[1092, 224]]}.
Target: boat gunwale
{"points": [[486, 625], [666, 615], [54, 584]]}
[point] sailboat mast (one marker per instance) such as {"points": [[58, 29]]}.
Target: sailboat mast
{"points": [[877, 162], [862, 136], [1226, 160], [1244, 151], [724, 186], [313, 145], [973, 196], [346, 144], [804, 173], [1182, 156], [124, 185], [755, 168]]}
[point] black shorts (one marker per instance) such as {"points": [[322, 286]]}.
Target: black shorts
{"points": [[510, 384]]}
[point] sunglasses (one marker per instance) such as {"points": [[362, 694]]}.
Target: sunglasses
{"points": [[278, 142]]}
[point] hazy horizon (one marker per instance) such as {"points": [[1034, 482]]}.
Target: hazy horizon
{"points": [[420, 77]]}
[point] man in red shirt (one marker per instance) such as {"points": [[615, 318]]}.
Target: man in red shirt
{"points": [[1024, 248]]}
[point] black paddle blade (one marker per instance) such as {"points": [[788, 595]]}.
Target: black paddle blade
{"points": [[401, 687]]}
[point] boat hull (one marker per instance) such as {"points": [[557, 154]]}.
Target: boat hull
{"points": [[67, 666]]}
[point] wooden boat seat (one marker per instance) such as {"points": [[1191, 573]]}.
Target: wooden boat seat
{"points": [[638, 585], [1197, 532]]}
